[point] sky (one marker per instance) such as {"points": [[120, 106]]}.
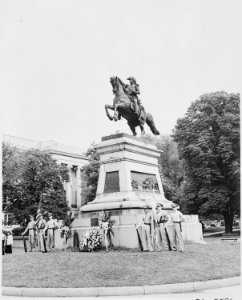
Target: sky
{"points": [[57, 57]]}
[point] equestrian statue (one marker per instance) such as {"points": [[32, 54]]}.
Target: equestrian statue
{"points": [[126, 104]]}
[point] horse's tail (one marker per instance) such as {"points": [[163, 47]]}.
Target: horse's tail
{"points": [[150, 122]]}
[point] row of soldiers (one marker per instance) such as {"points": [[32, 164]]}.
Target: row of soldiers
{"points": [[158, 229], [37, 230]]}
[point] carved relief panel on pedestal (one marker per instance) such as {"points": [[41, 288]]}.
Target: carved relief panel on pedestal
{"points": [[144, 182]]}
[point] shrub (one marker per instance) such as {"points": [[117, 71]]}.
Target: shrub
{"points": [[18, 231]]}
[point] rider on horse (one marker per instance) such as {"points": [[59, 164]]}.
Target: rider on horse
{"points": [[133, 90], [127, 105]]}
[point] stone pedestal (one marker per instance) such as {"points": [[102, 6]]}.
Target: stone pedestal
{"points": [[129, 181], [127, 166]]}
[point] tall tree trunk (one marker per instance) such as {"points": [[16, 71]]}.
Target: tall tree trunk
{"points": [[228, 220]]}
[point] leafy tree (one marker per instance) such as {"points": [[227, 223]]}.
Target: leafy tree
{"points": [[8, 163], [68, 219], [31, 180], [208, 140], [90, 173], [170, 167], [10, 175]]}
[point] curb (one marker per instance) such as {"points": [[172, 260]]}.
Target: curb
{"points": [[123, 290]]}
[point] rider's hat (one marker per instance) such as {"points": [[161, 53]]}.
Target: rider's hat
{"points": [[131, 78]]}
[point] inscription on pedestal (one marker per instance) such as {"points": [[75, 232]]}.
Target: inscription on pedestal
{"points": [[144, 182], [112, 182]]}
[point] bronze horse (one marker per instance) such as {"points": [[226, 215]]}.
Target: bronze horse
{"points": [[123, 107]]}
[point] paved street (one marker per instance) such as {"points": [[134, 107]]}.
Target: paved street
{"points": [[233, 293]]}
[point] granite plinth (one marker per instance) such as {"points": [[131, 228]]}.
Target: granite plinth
{"points": [[127, 166], [125, 163], [125, 234]]}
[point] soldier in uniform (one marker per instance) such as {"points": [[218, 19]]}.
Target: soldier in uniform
{"points": [[40, 225], [146, 223], [133, 90], [51, 225], [31, 228], [161, 219], [176, 218]]}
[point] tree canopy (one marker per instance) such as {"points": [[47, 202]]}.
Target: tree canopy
{"points": [[32, 179], [90, 173], [170, 167], [208, 139]]}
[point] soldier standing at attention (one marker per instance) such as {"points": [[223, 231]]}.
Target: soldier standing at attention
{"points": [[51, 225], [161, 219], [40, 224], [176, 219], [31, 228], [146, 224]]}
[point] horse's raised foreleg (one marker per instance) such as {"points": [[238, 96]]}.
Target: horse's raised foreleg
{"points": [[118, 105], [107, 112], [117, 115]]}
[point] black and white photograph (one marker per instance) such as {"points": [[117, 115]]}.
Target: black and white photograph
{"points": [[120, 132]]}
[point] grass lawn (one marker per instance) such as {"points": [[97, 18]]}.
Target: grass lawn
{"points": [[213, 260]]}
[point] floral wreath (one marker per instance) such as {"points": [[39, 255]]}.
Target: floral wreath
{"points": [[91, 241]]}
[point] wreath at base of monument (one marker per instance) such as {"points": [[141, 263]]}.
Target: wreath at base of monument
{"points": [[91, 241]]}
